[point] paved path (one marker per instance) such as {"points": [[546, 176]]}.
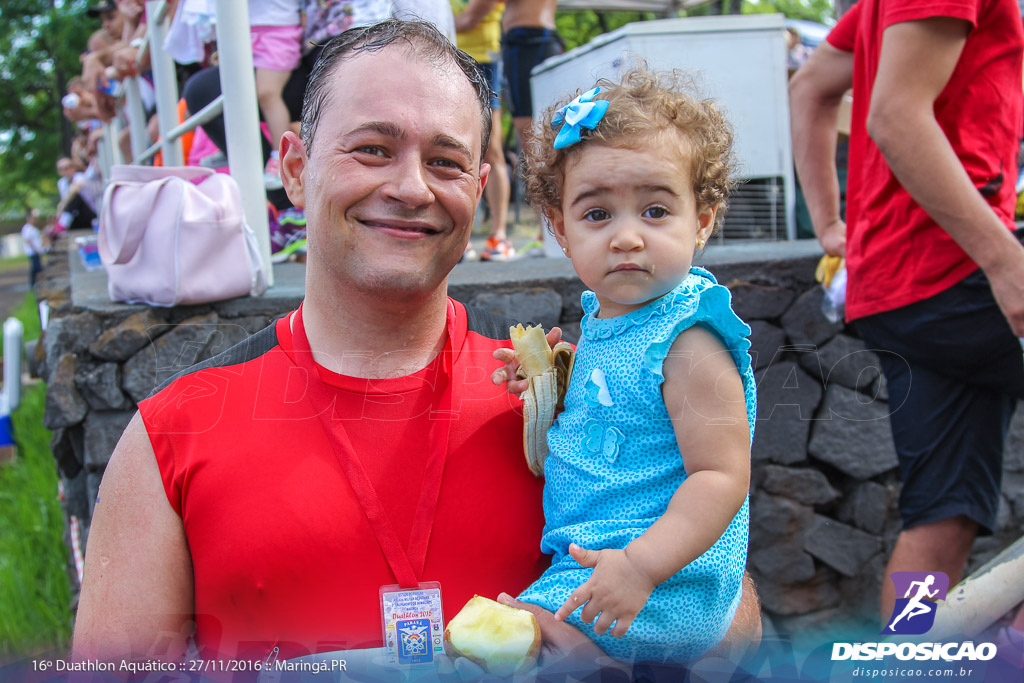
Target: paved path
{"points": [[13, 286]]}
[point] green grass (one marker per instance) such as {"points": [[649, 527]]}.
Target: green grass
{"points": [[13, 263], [34, 590]]}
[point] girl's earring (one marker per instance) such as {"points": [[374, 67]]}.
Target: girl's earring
{"points": [[701, 243], [565, 250]]}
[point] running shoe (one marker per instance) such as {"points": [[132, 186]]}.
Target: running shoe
{"points": [[497, 250], [534, 249], [287, 234]]}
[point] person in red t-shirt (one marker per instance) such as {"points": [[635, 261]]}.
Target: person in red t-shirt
{"points": [[259, 501], [936, 273]]}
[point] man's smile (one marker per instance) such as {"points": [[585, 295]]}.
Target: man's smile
{"points": [[397, 227]]}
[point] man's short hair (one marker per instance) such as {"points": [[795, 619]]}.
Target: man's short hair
{"points": [[425, 40]]}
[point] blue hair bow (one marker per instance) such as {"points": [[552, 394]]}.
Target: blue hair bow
{"points": [[581, 113]]}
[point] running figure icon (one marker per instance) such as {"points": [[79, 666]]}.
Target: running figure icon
{"points": [[916, 607]]}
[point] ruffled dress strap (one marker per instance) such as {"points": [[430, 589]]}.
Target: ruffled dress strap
{"points": [[709, 304]]}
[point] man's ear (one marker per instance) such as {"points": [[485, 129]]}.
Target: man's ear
{"points": [[557, 220], [293, 166], [485, 174]]}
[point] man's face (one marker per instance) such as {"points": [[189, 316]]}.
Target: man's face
{"points": [[112, 23], [66, 168], [394, 176]]}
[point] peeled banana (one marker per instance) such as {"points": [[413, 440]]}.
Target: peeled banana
{"points": [[548, 371], [828, 266]]}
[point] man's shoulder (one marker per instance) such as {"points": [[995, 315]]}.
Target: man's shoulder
{"points": [[483, 323], [249, 349]]}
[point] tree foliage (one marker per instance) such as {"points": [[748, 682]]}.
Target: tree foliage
{"points": [[820, 11], [40, 43], [580, 27]]}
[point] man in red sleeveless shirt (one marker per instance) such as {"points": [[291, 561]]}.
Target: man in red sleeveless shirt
{"points": [[936, 273], [259, 501]]}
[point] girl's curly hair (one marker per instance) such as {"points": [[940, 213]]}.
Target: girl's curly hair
{"points": [[644, 104]]}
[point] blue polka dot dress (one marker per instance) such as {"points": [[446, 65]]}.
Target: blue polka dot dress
{"points": [[614, 464]]}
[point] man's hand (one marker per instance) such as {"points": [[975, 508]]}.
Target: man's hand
{"points": [[93, 76], [617, 590], [125, 62], [1007, 281], [833, 238], [564, 645], [507, 373]]}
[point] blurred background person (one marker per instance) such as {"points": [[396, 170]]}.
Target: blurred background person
{"points": [[478, 32]]}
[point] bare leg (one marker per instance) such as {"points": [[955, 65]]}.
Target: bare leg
{"points": [[498, 188], [521, 124], [939, 546], [269, 85], [745, 632]]}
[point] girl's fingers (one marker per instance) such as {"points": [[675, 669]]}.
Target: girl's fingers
{"points": [[504, 355], [604, 623], [621, 626], [577, 598], [590, 611]]}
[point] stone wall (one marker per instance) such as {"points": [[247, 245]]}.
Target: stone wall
{"points": [[824, 484]]}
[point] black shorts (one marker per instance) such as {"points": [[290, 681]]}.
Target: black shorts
{"points": [[492, 70], [955, 371], [523, 48]]}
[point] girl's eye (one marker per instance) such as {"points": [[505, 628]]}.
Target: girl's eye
{"points": [[656, 212], [596, 215]]}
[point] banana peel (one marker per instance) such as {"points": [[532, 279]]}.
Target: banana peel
{"points": [[827, 268], [548, 371]]}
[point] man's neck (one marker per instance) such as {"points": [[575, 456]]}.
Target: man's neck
{"points": [[363, 336]]}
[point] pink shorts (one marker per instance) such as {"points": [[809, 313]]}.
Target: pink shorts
{"points": [[276, 48]]}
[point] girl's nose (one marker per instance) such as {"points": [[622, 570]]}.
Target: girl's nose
{"points": [[627, 238]]}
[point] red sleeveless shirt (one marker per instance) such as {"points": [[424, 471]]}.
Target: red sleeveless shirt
{"points": [[281, 550]]}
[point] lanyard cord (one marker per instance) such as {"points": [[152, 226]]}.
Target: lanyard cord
{"points": [[406, 567]]}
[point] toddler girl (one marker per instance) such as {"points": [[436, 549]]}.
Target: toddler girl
{"points": [[646, 493], [276, 31]]}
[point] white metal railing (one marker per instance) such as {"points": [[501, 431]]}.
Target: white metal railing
{"points": [[165, 79], [237, 103], [210, 111]]}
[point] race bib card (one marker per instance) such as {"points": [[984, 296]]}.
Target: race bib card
{"points": [[413, 623]]}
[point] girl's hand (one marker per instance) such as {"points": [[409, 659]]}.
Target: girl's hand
{"points": [[617, 590], [563, 644], [507, 372]]}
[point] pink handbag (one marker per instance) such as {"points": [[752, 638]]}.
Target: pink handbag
{"points": [[167, 241]]}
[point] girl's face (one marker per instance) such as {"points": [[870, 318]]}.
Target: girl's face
{"points": [[629, 220]]}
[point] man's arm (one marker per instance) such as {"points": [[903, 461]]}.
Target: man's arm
{"points": [[137, 591], [916, 62], [815, 94], [474, 13]]}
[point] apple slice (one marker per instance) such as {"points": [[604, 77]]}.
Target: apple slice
{"points": [[503, 640]]}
